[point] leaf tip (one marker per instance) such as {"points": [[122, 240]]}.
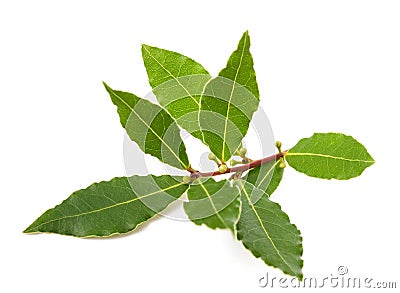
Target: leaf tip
{"points": [[300, 277], [106, 86], [246, 35], [29, 230], [372, 160], [145, 47]]}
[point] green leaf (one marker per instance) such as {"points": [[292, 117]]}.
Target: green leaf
{"points": [[266, 231], [177, 83], [110, 207], [215, 204], [265, 177], [151, 127], [240, 66], [229, 102], [329, 155]]}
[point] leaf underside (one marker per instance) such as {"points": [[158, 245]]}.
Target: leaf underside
{"points": [[329, 155], [110, 207]]}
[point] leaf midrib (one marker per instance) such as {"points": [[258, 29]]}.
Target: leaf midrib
{"points": [[170, 74], [213, 205], [199, 111], [329, 156], [230, 98], [111, 206], [151, 129], [264, 229], [266, 175]]}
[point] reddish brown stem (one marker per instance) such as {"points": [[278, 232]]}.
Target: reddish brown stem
{"points": [[239, 168]]}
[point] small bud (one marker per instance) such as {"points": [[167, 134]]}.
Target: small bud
{"points": [[282, 163], [222, 168], [242, 152], [233, 162], [278, 144], [211, 156], [186, 179]]}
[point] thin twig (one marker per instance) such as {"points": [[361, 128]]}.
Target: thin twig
{"points": [[240, 168]]}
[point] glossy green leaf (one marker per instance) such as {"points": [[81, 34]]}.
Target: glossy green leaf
{"points": [[177, 83], [110, 207], [329, 155], [229, 102], [151, 127], [265, 177], [215, 204], [266, 231]]}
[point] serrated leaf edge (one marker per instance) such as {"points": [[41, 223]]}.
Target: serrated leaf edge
{"points": [[267, 234]]}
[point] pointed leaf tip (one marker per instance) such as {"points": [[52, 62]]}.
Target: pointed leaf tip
{"points": [[229, 102], [106, 86], [110, 207], [169, 70], [151, 127], [145, 46]]}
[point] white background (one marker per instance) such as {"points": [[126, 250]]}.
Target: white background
{"points": [[321, 66]]}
